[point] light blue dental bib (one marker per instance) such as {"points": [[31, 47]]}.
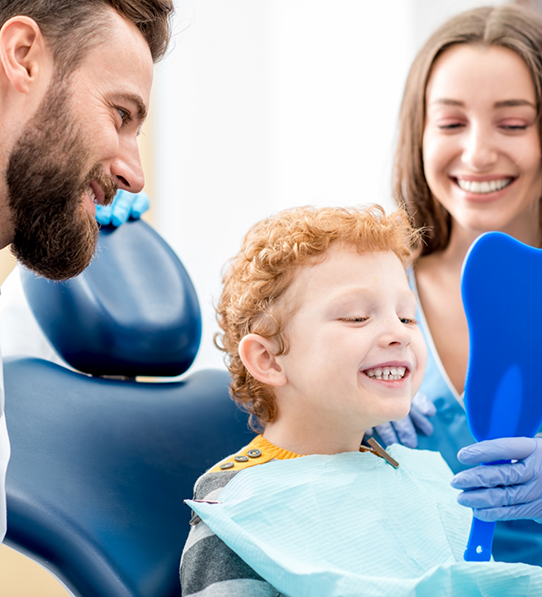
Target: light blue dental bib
{"points": [[351, 525]]}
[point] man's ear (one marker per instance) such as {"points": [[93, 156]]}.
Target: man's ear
{"points": [[257, 355], [22, 52]]}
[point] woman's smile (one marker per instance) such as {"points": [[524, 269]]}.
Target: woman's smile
{"points": [[481, 146]]}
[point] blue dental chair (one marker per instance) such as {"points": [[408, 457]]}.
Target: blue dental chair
{"points": [[101, 463]]}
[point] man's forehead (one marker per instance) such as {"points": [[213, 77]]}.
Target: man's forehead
{"points": [[113, 28], [121, 65]]}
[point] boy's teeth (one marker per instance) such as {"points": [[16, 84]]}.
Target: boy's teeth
{"points": [[386, 373], [486, 186], [91, 193]]}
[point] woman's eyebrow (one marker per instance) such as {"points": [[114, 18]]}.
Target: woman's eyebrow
{"points": [[514, 102], [444, 101]]}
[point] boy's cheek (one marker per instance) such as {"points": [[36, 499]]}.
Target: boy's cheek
{"points": [[421, 364]]}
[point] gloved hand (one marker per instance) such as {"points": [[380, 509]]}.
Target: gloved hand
{"points": [[125, 205], [405, 430], [502, 491]]}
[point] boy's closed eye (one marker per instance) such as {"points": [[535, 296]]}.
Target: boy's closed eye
{"points": [[359, 319], [409, 320], [362, 319]]}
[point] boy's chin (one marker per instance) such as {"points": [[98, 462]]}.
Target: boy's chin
{"points": [[398, 414]]}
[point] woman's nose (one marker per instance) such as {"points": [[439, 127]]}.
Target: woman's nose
{"points": [[479, 151]]}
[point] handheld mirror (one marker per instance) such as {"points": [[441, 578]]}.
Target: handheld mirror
{"points": [[502, 293]]}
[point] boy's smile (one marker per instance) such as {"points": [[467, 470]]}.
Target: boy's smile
{"points": [[389, 372], [356, 355]]}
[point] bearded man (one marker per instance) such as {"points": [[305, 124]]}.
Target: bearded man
{"points": [[75, 80]]}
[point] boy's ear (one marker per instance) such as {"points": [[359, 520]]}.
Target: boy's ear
{"points": [[22, 49], [257, 355]]}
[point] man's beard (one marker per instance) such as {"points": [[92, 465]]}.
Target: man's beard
{"points": [[55, 236]]}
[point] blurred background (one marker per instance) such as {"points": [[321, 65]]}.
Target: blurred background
{"points": [[262, 105], [268, 104]]}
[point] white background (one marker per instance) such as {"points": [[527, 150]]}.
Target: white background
{"points": [[262, 105], [268, 104]]}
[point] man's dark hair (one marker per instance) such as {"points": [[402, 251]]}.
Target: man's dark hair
{"points": [[73, 27]]}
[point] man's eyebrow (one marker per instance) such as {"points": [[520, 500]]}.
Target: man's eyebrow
{"points": [[136, 100]]}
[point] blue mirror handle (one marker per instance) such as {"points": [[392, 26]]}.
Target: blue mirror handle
{"points": [[480, 541], [481, 533]]}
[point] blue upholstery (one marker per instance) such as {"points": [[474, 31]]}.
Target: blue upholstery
{"points": [[133, 312], [100, 467]]}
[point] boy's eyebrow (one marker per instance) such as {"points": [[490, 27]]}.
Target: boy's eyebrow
{"points": [[350, 293], [359, 290], [351, 298]]}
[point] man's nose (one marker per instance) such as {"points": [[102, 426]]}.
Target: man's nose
{"points": [[126, 168], [479, 151]]}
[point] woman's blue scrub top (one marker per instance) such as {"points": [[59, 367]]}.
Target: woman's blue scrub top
{"points": [[515, 541]]}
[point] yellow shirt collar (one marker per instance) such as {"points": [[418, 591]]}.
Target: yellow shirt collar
{"points": [[259, 451]]}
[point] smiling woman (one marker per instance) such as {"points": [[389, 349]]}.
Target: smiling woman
{"points": [[468, 161], [481, 146]]}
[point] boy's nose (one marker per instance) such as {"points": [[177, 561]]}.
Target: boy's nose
{"points": [[395, 333]]}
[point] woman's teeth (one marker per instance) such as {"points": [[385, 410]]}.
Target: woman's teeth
{"points": [[485, 186], [386, 373]]}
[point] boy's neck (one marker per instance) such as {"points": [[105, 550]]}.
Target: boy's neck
{"points": [[306, 440]]}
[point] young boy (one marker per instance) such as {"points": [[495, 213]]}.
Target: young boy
{"points": [[318, 324]]}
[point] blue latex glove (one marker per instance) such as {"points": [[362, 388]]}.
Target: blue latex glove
{"points": [[405, 431], [502, 491], [125, 205]]}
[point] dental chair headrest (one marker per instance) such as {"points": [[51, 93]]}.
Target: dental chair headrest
{"points": [[132, 312]]}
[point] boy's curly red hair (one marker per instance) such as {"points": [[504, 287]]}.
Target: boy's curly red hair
{"points": [[265, 267]]}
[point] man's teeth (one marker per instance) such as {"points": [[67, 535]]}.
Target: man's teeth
{"points": [[91, 193], [485, 186], [386, 373]]}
